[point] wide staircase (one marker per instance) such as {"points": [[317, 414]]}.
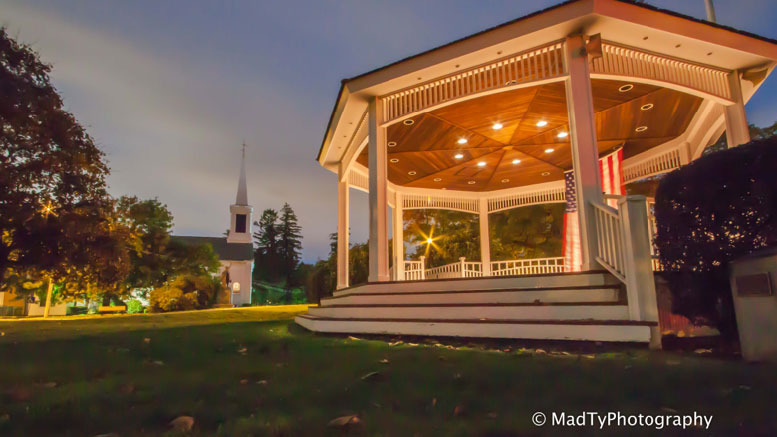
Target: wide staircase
{"points": [[588, 306]]}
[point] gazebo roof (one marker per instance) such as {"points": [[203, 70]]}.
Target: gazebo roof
{"points": [[425, 152]]}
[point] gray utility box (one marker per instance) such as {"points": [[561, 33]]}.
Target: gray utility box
{"points": [[754, 285]]}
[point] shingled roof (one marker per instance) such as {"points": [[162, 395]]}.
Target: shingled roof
{"points": [[225, 251]]}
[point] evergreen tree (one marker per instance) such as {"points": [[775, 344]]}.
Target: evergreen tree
{"points": [[267, 240], [290, 236]]}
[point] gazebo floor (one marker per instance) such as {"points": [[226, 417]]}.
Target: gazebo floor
{"points": [[569, 306]]}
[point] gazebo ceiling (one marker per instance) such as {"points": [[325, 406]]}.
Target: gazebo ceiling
{"points": [[530, 147]]}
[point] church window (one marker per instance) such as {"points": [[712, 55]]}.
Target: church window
{"points": [[240, 223]]}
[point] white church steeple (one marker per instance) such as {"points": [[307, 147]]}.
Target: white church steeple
{"points": [[241, 211]]}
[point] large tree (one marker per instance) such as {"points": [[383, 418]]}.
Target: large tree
{"points": [[290, 242], [266, 255], [55, 218]]}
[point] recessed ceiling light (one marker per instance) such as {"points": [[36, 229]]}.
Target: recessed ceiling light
{"points": [[504, 181], [546, 173], [481, 164], [625, 88], [458, 156], [542, 123], [549, 150], [394, 160], [437, 179], [516, 161], [497, 126], [471, 182], [411, 173], [646, 107], [408, 122], [392, 144], [641, 129], [563, 134], [462, 141]]}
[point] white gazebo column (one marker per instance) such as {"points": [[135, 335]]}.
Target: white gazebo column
{"points": [[399, 239], [485, 243], [342, 231], [378, 244], [585, 154], [737, 130]]}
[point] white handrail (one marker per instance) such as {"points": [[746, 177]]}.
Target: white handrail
{"points": [[533, 266], [414, 270], [609, 236]]}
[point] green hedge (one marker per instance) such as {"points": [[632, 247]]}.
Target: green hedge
{"points": [[714, 210]]}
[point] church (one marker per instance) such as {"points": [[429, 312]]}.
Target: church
{"points": [[235, 251]]}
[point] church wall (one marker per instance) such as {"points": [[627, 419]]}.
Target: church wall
{"points": [[239, 272]]}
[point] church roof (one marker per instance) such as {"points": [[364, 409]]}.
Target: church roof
{"points": [[225, 251]]}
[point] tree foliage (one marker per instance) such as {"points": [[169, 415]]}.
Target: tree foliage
{"points": [[528, 232], [714, 210], [290, 242], [266, 257], [185, 292], [278, 239], [54, 209], [455, 234]]}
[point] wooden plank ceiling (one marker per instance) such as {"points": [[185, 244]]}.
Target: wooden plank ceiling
{"points": [[527, 149]]}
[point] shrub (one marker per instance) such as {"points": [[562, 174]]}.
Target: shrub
{"points": [[185, 292], [134, 306], [714, 210]]}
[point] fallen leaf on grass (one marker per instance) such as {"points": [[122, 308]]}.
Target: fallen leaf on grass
{"points": [[384, 361], [702, 351], [373, 377], [344, 421], [243, 381], [20, 394], [434, 402], [591, 356], [146, 340], [396, 343], [460, 410], [182, 423], [242, 350], [126, 389], [412, 344], [350, 337], [540, 351], [262, 382], [158, 363]]}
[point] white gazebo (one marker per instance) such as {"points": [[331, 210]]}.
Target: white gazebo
{"points": [[568, 104]]}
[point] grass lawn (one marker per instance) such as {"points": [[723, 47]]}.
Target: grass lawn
{"points": [[253, 372]]}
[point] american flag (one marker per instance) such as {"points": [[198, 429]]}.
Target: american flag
{"points": [[612, 183]]}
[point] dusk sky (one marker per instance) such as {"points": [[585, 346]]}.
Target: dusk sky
{"points": [[170, 89]]}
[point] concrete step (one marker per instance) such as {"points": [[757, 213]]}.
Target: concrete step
{"points": [[576, 279], [499, 311], [578, 330], [607, 293]]}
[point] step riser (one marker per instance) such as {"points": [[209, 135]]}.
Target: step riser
{"points": [[557, 281], [486, 330], [572, 312], [519, 296]]}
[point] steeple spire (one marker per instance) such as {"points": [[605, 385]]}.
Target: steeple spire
{"points": [[242, 191]]}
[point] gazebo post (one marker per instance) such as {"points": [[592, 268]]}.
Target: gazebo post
{"points": [[737, 130], [585, 154], [342, 231], [399, 238], [378, 243], [485, 243]]}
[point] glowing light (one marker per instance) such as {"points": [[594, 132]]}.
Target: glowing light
{"points": [[481, 164], [542, 123], [497, 126], [458, 156], [549, 150], [462, 141], [47, 210], [429, 240], [562, 134], [516, 161]]}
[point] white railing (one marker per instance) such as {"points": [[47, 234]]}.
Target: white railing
{"points": [[414, 270], [662, 163], [534, 266], [437, 201], [460, 269], [624, 61], [530, 66], [610, 244], [514, 200]]}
